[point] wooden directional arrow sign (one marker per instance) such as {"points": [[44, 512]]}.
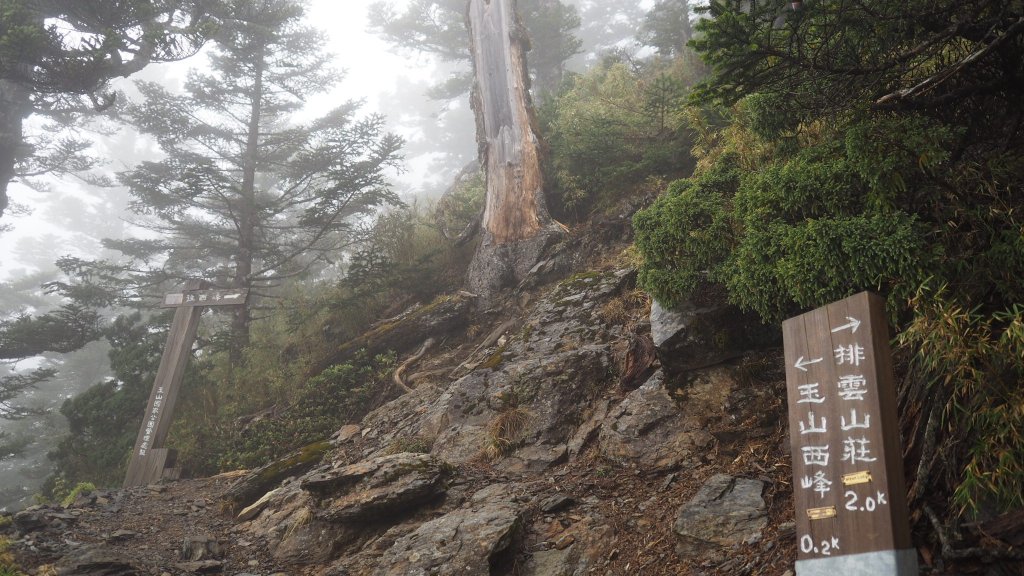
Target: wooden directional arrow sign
{"points": [[150, 460], [849, 495]]}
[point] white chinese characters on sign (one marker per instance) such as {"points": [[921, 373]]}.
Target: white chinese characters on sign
{"points": [[819, 482], [809, 393], [154, 415]]}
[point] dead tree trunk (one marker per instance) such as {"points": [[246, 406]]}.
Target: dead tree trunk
{"points": [[516, 225]]}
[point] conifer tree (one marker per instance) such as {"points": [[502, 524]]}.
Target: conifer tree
{"points": [[60, 71], [666, 27], [247, 195]]}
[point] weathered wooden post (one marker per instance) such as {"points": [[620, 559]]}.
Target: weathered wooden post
{"points": [[150, 460], [849, 490]]}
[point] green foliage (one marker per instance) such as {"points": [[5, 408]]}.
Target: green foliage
{"points": [[612, 127], [105, 419], [799, 230], [7, 564], [80, 488], [248, 192], [12, 446], [64, 330], [56, 59], [340, 395], [818, 261], [873, 149], [405, 256], [974, 359], [667, 27], [462, 204], [683, 235]]}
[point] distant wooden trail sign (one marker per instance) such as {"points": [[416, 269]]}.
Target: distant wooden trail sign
{"points": [[150, 459], [849, 490]]}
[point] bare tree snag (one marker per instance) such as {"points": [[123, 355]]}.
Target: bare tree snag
{"points": [[516, 224]]}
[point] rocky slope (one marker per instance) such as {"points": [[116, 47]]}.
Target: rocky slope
{"points": [[541, 437]]}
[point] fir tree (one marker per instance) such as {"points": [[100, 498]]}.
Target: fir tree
{"points": [[247, 195]]}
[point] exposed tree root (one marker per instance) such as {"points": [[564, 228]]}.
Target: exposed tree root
{"points": [[401, 369]]}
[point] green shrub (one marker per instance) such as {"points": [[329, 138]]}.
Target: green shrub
{"points": [[684, 235], [80, 488], [874, 201], [7, 565], [795, 234], [611, 128], [342, 394]]}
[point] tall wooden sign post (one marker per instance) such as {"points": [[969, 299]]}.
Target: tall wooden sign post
{"points": [[849, 490], [151, 461]]}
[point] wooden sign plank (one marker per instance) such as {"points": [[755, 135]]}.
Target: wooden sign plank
{"points": [[849, 490], [205, 298]]}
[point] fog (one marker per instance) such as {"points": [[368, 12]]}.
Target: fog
{"points": [[70, 216]]}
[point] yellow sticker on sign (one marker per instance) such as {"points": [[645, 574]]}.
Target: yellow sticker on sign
{"points": [[821, 513], [857, 478]]}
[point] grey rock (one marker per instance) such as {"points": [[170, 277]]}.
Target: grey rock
{"points": [[590, 427], [651, 430], [96, 562], [694, 336], [200, 547], [378, 488], [556, 503], [551, 563], [461, 542], [533, 458], [201, 567], [30, 520], [258, 482], [121, 536], [553, 367], [548, 389], [497, 265], [726, 512]]}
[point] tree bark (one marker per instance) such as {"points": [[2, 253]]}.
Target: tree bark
{"points": [[247, 218], [516, 225]]}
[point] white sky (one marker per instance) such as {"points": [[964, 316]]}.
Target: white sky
{"points": [[370, 65]]}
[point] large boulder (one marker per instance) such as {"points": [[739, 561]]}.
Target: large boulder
{"points": [[726, 512], [546, 395], [655, 432], [378, 489], [465, 541], [691, 336], [310, 520]]}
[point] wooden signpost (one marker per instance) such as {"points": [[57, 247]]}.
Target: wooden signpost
{"points": [[849, 491], [150, 460]]}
